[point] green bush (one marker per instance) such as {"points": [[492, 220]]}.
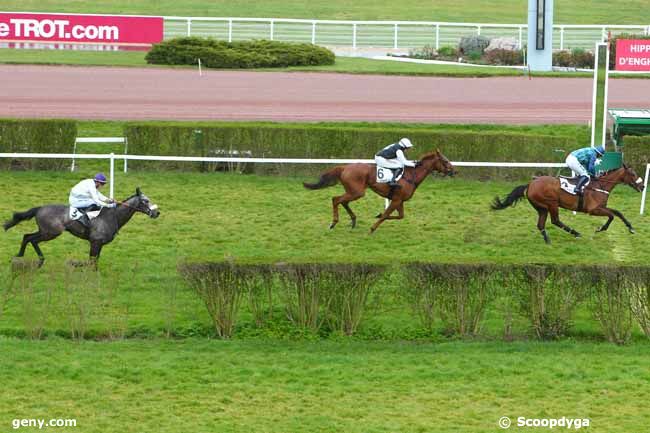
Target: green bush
{"points": [[316, 141], [238, 55], [577, 58], [548, 297], [457, 294], [36, 136], [504, 57], [473, 43], [636, 152], [221, 287]]}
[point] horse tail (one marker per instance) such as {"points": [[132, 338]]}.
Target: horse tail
{"points": [[517, 194], [20, 216], [328, 178]]}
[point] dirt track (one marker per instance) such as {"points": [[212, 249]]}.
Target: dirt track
{"points": [[130, 93]]}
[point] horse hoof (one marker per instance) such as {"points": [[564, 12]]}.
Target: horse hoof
{"points": [[353, 224], [332, 226], [577, 235], [378, 215], [632, 230]]}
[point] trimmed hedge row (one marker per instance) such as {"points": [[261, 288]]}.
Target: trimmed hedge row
{"points": [[238, 55], [36, 136], [309, 141], [637, 152], [451, 297]]}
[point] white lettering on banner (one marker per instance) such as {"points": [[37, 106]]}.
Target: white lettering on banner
{"points": [[640, 48], [634, 61], [49, 28]]}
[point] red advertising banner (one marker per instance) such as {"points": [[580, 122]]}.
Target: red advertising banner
{"points": [[113, 29], [632, 55]]}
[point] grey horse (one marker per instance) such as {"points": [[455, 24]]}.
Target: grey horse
{"points": [[52, 220]]}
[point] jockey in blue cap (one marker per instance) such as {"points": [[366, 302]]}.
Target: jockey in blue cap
{"points": [[583, 162], [85, 197]]}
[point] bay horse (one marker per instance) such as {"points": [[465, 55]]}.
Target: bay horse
{"points": [[546, 196], [356, 178], [52, 220]]}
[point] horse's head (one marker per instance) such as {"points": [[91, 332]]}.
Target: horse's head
{"points": [[631, 178], [141, 203], [436, 161]]}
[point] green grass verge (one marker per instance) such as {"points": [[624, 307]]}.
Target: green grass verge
{"points": [[255, 386], [504, 11], [343, 64]]}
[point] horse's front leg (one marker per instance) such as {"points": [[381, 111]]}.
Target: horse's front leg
{"points": [[400, 213], [385, 215], [95, 250], [625, 221]]}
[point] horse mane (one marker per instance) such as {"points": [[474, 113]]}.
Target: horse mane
{"points": [[429, 155]]}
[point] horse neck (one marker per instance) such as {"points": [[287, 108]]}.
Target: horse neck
{"points": [[610, 180], [124, 213], [423, 171]]}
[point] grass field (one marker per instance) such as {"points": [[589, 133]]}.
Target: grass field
{"points": [[256, 219], [503, 11], [261, 386]]}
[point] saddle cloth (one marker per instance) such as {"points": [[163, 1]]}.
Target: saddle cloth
{"points": [[76, 214], [568, 184], [385, 175]]}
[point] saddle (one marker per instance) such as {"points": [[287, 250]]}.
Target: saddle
{"points": [[77, 214], [388, 175], [568, 184]]}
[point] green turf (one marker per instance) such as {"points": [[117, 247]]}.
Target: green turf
{"points": [[504, 11], [247, 218], [255, 386], [342, 65]]}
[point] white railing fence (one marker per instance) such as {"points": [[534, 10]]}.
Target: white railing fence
{"points": [[112, 157], [382, 34]]}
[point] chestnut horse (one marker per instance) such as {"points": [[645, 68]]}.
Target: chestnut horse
{"points": [[356, 178], [546, 196]]}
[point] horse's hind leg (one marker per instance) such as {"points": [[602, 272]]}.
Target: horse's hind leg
{"points": [[541, 222], [353, 217], [34, 239], [555, 219], [26, 239], [344, 200]]}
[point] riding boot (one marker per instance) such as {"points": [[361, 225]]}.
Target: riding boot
{"points": [[394, 183], [581, 184], [85, 221]]}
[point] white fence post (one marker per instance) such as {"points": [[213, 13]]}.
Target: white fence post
{"points": [[437, 37], [313, 32], [112, 175], [272, 29], [645, 187], [521, 35], [126, 152], [561, 37], [354, 35], [395, 37], [189, 27], [230, 30]]}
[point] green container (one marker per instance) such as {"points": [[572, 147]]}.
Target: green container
{"points": [[609, 161]]}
